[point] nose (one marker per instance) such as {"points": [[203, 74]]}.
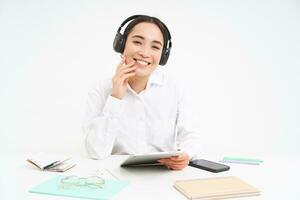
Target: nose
{"points": [[144, 52]]}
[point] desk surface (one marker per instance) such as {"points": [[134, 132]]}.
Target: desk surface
{"points": [[277, 178]]}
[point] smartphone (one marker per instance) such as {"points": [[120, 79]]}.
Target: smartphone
{"points": [[209, 165]]}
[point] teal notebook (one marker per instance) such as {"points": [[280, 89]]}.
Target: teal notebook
{"points": [[52, 187]]}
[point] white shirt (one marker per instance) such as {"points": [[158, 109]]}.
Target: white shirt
{"points": [[156, 119]]}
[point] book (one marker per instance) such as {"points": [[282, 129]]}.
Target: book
{"points": [[216, 188], [51, 163], [52, 187]]}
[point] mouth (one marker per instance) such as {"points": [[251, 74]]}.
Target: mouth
{"points": [[142, 62]]}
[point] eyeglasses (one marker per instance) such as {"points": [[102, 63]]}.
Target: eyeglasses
{"points": [[94, 182]]}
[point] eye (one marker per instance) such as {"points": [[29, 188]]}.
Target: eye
{"points": [[156, 47], [137, 42]]}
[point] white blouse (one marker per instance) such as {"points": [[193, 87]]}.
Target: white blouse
{"points": [[157, 119]]}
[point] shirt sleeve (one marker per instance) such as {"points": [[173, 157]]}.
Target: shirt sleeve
{"points": [[101, 122], [188, 139]]}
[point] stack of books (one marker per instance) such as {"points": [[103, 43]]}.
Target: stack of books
{"points": [[216, 188]]}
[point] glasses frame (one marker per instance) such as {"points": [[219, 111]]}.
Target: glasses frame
{"points": [[93, 182]]}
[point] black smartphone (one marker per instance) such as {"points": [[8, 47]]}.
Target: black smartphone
{"points": [[209, 165]]}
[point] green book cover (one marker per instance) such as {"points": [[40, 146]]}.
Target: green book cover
{"points": [[53, 187]]}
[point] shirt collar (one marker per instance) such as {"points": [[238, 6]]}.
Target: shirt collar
{"points": [[156, 77]]}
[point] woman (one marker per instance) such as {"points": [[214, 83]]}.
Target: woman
{"points": [[140, 110]]}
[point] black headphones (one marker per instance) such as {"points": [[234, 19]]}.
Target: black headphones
{"points": [[120, 39]]}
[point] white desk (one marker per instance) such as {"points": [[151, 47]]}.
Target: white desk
{"points": [[277, 177]]}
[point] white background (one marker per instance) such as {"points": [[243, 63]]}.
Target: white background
{"points": [[240, 59]]}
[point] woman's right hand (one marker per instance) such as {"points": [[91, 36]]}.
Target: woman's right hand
{"points": [[120, 79]]}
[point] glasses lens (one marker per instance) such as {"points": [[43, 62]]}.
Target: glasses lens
{"points": [[94, 181], [70, 180]]}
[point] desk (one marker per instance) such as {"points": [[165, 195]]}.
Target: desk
{"points": [[278, 178]]}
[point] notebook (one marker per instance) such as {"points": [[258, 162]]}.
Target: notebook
{"points": [[216, 188], [51, 162], [52, 187]]}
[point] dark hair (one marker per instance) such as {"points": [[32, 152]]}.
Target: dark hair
{"points": [[163, 28]]}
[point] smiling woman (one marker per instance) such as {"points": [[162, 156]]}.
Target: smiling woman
{"points": [[140, 110]]}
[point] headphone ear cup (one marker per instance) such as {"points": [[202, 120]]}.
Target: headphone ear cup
{"points": [[119, 43], [165, 56]]}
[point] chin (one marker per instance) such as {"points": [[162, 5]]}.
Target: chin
{"points": [[141, 74]]}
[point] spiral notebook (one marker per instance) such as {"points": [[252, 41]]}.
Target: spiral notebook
{"points": [[216, 188]]}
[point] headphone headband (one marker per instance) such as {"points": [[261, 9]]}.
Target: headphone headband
{"points": [[131, 18]]}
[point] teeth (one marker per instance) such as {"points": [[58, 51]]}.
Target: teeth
{"points": [[142, 62]]}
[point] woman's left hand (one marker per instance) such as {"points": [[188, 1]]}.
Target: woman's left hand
{"points": [[176, 162]]}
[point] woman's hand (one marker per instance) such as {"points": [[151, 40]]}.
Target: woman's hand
{"points": [[120, 79], [176, 162]]}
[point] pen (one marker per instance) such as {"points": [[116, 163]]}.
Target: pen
{"points": [[50, 165], [112, 174], [239, 162], [242, 160]]}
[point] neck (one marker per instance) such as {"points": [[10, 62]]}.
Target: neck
{"points": [[138, 84]]}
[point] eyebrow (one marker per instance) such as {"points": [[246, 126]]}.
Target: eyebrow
{"points": [[141, 37]]}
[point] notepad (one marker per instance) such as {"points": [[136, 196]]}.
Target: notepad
{"points": [[52, 187], [216, 188]]}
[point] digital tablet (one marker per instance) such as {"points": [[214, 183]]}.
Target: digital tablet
{"points": [[147, 159]]}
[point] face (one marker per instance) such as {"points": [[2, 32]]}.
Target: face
{"points": [[144, 46]]}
